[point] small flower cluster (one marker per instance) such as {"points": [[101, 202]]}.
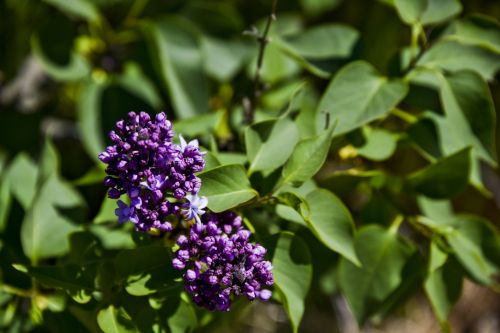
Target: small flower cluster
{"points": [[157, 175], [219, 261]]}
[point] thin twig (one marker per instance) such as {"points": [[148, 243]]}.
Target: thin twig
{"points": [[250, 105]]}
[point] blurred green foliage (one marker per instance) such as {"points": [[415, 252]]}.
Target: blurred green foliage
{"points": [[369, 167]]}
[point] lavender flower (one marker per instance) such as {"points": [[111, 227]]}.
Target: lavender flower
{"points": [[219, 261], [157, 174]]}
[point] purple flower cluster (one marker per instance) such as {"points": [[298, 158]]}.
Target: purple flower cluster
{"points": [[219, 261], [157, 175]]}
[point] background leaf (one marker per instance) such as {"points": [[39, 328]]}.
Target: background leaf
{"points": [[292, 274], [226, 187]]}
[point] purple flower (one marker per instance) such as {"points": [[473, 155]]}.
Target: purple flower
{"points": [[194, 207], [157, 174], [123, 212], [220, 264]]}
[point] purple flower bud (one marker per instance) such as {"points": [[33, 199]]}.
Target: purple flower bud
{"points": [[144, 163], [219, 265]]}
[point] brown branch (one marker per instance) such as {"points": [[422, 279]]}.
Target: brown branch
{"points": [[249, 105]]}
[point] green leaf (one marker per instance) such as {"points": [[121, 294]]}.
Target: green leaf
{"points": [[410, 10], [146, 269], [180, 64], [115, 320], [330, 221], [107, 211], [49, 163], [321, 42], [47, 225], [5, 202], [292, 274], [443, 285], [113, 236], [198, 125], [470, 115], [80, 8], [435, 209], [438, 11], [382, 255], [183, 319], [77, 68], [318, 7], [445, 178], [226, 187], [276, 65], [307, 158], [22, 175], [222, 59], [476, 245], [481, 31], [264, 144], [448, 55], [89, 118], [71, 278], [134, 80], [380, 144], [358, 95]]}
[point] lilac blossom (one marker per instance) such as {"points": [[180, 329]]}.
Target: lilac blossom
{"points": [[219, 262], [157, 174]]}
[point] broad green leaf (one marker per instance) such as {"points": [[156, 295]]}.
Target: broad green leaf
{"points": [[292, 272], [322, 42], [145, 269], [89, 118], [107, 211], [116, 320], [438, 11], [480, 31], [346, 181], [331, 222], [410, 10], [382, 255], [307, 158], [222, 59], [77, 68], [80, 8], [226, 187], [445, 178], [231, 158], [71, 278], [113, 236], [270, 143], [319, 43], [276, 65], [470, 114], [380, 144], [448, 55], [443, 285], [289, 207], [317, 7], [476, 244], [180, 63], [435, 209], [358, 95], [135, 81], [183, 319], [5, 202], [198, 125], [47, 225], [22, 175], [49, 163], [290, 199]]}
